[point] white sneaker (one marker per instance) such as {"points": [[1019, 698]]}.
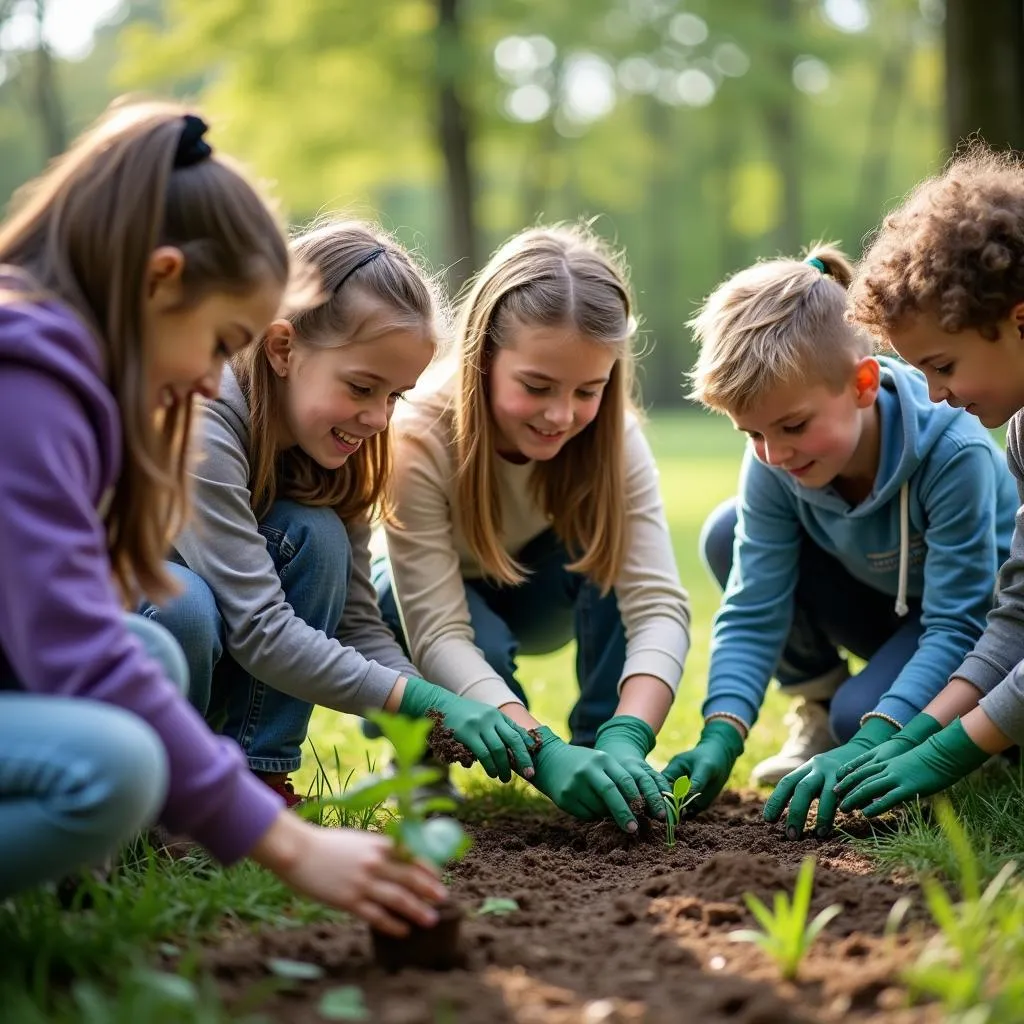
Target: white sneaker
{"points": [[809, 734]]}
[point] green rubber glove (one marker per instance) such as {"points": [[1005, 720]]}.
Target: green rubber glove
{"points": [[588, 784], [498, 743], [915, 732], [931, 766], [816, 780], [629, 740], [709, 764]]}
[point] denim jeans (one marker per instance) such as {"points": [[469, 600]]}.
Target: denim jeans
{"points": [[311, 553], [831, 609], [77, 777], [539, 616]]}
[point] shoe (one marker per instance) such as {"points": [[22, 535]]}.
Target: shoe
{"points": [[281, 784], [809, 734]]}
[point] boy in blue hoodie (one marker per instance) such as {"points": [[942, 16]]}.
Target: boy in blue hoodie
{"points": [[851, 529]]}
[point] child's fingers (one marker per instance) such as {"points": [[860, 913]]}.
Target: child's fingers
{"points": [[856, 777], [418, 878], [395, 898], [518, 741], [871, 789], [857, 762]]}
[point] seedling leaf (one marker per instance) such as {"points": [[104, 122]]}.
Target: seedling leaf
{"points": [[498, 906], [680, 788], [438, 840], [343, 1003], [294, 970], [407, 735]]}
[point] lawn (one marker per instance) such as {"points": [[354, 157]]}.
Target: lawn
{"points": [[606, 929]]}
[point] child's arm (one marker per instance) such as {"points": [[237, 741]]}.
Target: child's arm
{"points": [[264, 635]]}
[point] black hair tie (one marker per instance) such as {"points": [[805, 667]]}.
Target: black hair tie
{"points": [[368, 258], [192, 147]]}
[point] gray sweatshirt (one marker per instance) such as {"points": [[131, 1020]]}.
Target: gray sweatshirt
{"points": [[353, 671], [996, 665]]}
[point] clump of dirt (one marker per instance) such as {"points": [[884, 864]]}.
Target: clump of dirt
{"points": [[620, 929], [443, 744]]}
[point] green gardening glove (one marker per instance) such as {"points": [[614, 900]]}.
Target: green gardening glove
{"points": [[915, 732], [499, 744], [938, 762], [629, 740], [588, 784], [816, 780], [709, 764]]}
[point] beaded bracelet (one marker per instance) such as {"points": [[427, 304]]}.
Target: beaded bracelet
{"points": [[730, 717], [878, 714]]}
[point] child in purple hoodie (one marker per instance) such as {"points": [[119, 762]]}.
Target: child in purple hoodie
{"points": [[131, 270]]}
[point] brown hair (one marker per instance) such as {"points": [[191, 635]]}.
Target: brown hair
{"points": [[776, 322], [84, 232], [342, 254], [547, 277], [954, 249]]}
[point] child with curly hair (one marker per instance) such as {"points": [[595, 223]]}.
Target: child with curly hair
{"points": [[943, 284]]}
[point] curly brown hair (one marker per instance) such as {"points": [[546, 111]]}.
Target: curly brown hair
{"points": [[954, 249]]}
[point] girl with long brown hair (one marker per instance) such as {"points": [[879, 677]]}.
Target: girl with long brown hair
{"points": [[528, 515], [132, 269]]}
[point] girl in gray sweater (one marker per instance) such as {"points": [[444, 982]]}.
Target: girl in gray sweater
{"points": [[277, 613]]}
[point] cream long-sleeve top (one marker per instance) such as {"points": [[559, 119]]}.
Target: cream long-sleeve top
{"points": [[430, 559]]}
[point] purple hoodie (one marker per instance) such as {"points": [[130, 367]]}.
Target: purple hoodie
{"points": [[61, 622]]}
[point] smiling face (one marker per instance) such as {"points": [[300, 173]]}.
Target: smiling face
{"points": [[966, 369], [333, 399], [814, 433], [545, 387]]}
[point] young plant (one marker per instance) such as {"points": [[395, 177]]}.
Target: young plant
{"points": [[415, 829], [675, 803], [787, 935]]}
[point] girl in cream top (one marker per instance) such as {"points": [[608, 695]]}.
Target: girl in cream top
{"points": [[528, 514]]}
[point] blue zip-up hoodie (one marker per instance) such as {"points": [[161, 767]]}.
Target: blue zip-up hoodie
{"points": [[958, 503]]}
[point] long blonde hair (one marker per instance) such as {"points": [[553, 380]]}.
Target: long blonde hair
{"points": [[558, 276], [775, 323], [348, 256], [82, 233]]}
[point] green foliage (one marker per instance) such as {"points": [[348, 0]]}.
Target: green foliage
{"points": [[416, 833], [675, 803], [497, 906], [973, 965], [786, 935]]}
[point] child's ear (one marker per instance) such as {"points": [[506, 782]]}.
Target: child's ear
{"points": [[1017, 316], [866, 381], [278, 344], [163, 277]]}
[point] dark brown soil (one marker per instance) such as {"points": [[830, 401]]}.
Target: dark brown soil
{"points": [[443, 744], [618, 930]]}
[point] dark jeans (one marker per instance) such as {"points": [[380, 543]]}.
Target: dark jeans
{"points": [[311, 553], [831, 609], [539, 616]]}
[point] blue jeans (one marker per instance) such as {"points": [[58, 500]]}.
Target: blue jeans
{"points": [[312, 555], [539, 616], [77, 777], [831, 609]]}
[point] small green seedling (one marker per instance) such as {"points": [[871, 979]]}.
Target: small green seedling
{"points": [[787, 935], [498, 906], [417, 834], [675, 804], [343, 1003]]}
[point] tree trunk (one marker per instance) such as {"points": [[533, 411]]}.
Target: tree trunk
{"points": [[783, 135], [454, 140], [985, 71]]}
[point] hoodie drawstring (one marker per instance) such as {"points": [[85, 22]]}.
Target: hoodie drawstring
{"points": [[901, 588]]}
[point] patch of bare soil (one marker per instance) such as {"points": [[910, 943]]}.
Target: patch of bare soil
{"points": [[619, 930]]}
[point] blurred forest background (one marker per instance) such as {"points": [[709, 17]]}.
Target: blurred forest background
{"points": [[702, 134]]}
